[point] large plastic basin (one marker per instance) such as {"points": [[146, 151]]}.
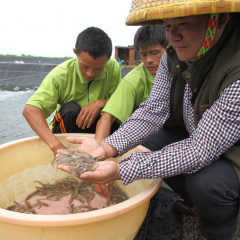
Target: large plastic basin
{"points": [[118, 222]]}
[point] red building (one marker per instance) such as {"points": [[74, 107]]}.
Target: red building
{"points": [[127, 55]]}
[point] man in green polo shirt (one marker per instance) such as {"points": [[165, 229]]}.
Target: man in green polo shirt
{"points": [[135, 87], [76, 90]]}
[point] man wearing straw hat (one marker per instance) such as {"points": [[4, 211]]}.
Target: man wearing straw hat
{"points": [[197, 86]]}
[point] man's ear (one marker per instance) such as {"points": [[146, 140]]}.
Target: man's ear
{"points": [[75, 51]]}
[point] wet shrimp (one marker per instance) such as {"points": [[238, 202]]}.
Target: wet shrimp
{"points": [[78, 161]]}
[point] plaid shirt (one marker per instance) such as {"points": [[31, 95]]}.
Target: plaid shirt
{"points": [[217, 131]]}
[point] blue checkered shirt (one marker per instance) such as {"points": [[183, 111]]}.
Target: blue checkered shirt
{"points": [[217, 131]]}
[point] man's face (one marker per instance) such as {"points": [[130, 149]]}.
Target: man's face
{"points": [[89, 66], [186, 34], [151, 56]]}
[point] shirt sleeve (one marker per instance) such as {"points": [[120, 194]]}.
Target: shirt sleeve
{"points": [[217, 131], [46, 97], [116, 77], [149, 117], [121, 103]]}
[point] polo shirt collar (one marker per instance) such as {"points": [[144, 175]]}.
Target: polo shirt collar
{"points": [[101, 76]]}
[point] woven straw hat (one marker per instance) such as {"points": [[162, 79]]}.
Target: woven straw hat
{"points": [[146, 12]]}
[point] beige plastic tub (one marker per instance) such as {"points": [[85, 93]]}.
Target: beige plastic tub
{"points": [[118, 222]]}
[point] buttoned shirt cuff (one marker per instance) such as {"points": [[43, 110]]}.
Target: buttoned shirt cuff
{"points": [[119, 142], [129, 170]]}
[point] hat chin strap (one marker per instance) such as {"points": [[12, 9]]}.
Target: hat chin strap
{"points": [[210, 34]]}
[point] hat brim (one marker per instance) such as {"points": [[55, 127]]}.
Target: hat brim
{"points": [[147, 14]]}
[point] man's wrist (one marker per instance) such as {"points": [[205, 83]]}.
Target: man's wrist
{"points": [[118, 177], [55, 145], [109, 150], [102, 103]]}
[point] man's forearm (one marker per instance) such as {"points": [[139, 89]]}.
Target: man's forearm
{"points": [[104, 126], [38, 123]]}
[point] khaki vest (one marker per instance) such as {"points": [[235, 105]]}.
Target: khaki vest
{"points": [[207, 78]]}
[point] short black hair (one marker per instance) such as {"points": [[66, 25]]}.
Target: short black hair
{"points": [[95, 42], [150, 35]]}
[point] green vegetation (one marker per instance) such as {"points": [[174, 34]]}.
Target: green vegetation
{"points": [[29, 56]]}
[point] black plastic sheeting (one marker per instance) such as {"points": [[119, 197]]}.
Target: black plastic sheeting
{"points": [[162, 221], [28, 75], [32, 60], [23, 75]]}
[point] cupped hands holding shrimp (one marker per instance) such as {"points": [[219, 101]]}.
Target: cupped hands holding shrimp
{"points": [[107, 171]]}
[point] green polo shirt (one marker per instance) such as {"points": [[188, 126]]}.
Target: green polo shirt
{"points": [[65, 83], [133, 90]]}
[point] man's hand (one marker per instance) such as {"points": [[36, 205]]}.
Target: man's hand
{"points": [[94, 147], [60, 146], [89, 113], [106, 173], [103, 177]]}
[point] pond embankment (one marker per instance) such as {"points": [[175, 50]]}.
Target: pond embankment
{"points": [[28, 72]]}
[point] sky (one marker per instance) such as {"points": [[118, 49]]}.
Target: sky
{"points": [[49, 28]]}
